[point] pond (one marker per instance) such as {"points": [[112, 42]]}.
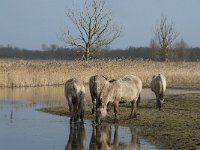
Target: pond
{"points": [[21, 127]]}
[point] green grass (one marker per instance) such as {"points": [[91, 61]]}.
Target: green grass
{"points": [[177, 127]]}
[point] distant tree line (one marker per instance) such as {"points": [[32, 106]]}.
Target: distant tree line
{"points": [[180, 53]]}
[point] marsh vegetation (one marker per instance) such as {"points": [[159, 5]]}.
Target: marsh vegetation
{"points": [[19, 73]]}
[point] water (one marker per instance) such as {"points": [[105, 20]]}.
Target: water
{"points": [[147, 94], [21, 127]]}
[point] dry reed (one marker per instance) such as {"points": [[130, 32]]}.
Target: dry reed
{"points": [[20, 73]]}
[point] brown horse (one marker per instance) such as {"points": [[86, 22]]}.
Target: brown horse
{"points": [[158, 86], [75, 95], [95, 84], [127, 88]]}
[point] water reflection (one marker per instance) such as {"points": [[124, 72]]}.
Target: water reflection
{"points": [[134, 144], [101, 139], [50, 95], [104, 137], [77, 137]]}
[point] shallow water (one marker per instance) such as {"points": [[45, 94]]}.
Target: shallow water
{"points": [[21, 127], [148, 94], [54, 95]]}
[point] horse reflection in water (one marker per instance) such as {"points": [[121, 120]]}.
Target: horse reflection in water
{"points": [[77, 137], [101, 139]]}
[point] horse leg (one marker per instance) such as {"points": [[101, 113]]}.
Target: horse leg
{"points": [[93, 105], [133, 109], [70, 110], [157, 101], [81, 108], [82, 115], [116, 110], [159, 105], [75, 112], [71, 114], [161, 101]]}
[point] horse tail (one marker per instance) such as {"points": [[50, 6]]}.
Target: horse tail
{"points": [[138, 101]]}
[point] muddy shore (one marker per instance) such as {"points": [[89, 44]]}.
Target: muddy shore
{"points": [[177, 127]]}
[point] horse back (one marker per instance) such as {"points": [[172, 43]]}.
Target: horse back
{"points": [[95, 84], [128, 88], [158, 84], [74, 89]]}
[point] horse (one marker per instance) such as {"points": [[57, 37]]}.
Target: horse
{"points": [[158, 86], [75, 95], [126, 88], [96, 83]]}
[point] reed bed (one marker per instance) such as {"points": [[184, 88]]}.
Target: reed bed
{"points": [[21, 73]]}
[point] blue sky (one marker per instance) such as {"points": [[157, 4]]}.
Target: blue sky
{"points": [[31, 23]]}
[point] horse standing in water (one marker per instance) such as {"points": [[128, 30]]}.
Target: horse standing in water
{"points": [[75, 95], [127, 88]]}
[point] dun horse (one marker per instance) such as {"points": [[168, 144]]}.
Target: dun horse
{"points": [[127, 88], [158, 86], [95, 84], [75, 95]]}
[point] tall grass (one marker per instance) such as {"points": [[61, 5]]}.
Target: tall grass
{"points": [[19, 73]]}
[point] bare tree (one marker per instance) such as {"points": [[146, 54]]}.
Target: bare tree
{"points": [[165, 36], [93, 27]]}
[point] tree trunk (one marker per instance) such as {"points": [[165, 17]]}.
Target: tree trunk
{"points": [[87, 54], [167, 55]]}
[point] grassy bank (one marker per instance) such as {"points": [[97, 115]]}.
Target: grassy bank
{"points": [[16, 72], [177, 127]]}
